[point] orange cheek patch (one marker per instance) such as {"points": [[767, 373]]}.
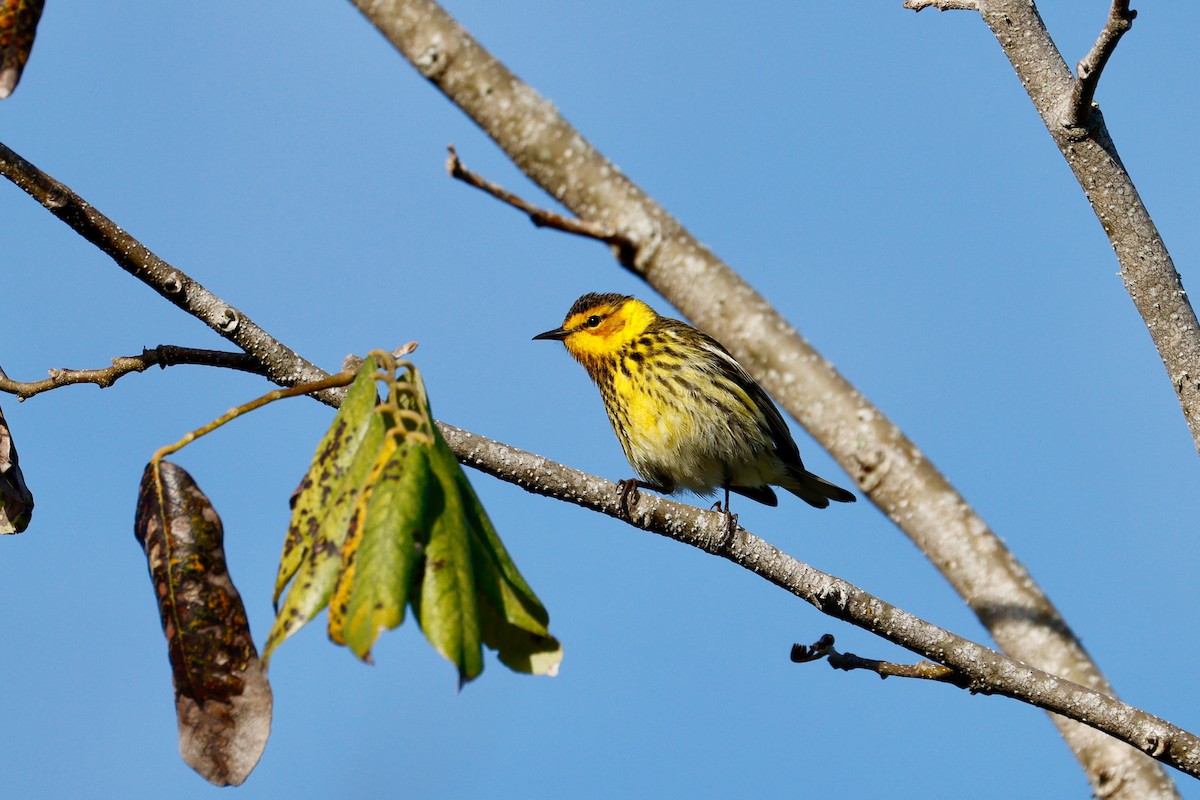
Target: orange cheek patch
{"points": [[610, 326]]}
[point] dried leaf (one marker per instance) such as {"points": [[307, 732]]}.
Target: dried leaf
{"points": [[222, 698], [16, 501], [18, 26]]}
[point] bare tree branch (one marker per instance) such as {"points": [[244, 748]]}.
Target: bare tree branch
{"points": [[987, 671], [889, 467], [942, 5], [984, 670], [165, 355], [1120, 19], [1146, 267], [281, 364]]}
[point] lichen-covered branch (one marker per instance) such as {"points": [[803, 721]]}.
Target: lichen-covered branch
{"points": [[1146, 267], [941, 5], [1077, 126], [985, 671]]}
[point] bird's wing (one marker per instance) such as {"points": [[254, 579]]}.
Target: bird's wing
{"points": [[785, 445]]}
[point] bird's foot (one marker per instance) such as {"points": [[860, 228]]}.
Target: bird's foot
{"points": [[627, 494], [731, 519]]}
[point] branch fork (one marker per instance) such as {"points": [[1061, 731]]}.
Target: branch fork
{"points": [[1080, 105]]}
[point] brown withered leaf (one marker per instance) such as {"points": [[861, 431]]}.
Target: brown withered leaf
{"points": [[222, 697], [16, 501], [18, 26]]}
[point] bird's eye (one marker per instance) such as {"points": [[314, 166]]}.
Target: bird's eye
{"points": [[592, 321]]}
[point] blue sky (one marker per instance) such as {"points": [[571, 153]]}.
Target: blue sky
{"points": [[879, 175]]}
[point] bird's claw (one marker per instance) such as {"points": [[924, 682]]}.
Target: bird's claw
{"points": [[627, 493], [731, 519]]}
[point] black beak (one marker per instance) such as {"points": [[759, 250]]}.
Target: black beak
{"points": [[557, 333]]}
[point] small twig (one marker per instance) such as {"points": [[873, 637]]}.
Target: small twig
{"points": [[165, 355], [924, 670], [1087, 71], [543, 218], [334, 381], [942, 5]]}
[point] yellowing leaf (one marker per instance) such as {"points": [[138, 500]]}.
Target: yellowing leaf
{"points": [[311, 558], [381, 554], [387, 518]]}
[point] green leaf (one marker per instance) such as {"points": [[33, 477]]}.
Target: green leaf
{"points": [[222, 697], [513, 621], [311, 558], [380, 557], [446, 605]]}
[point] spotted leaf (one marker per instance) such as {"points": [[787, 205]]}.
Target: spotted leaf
{"points": [[222, 698], [312, 551]]}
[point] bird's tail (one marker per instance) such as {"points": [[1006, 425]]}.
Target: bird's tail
{"points": [[815, 490]]}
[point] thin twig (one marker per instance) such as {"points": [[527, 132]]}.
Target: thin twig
{"points": [[622, 245], [339, 380], [942, 5], [163, 356], [1079, 110], [923, 670]]}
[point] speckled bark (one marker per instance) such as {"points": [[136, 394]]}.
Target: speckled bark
{"points": [[990, 672], [1146, 267], [889, 467]]}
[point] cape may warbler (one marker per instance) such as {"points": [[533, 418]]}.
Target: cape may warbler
{"points": [[686, 413]]}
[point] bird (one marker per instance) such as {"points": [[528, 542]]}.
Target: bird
{"points": [[688, 416]]}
